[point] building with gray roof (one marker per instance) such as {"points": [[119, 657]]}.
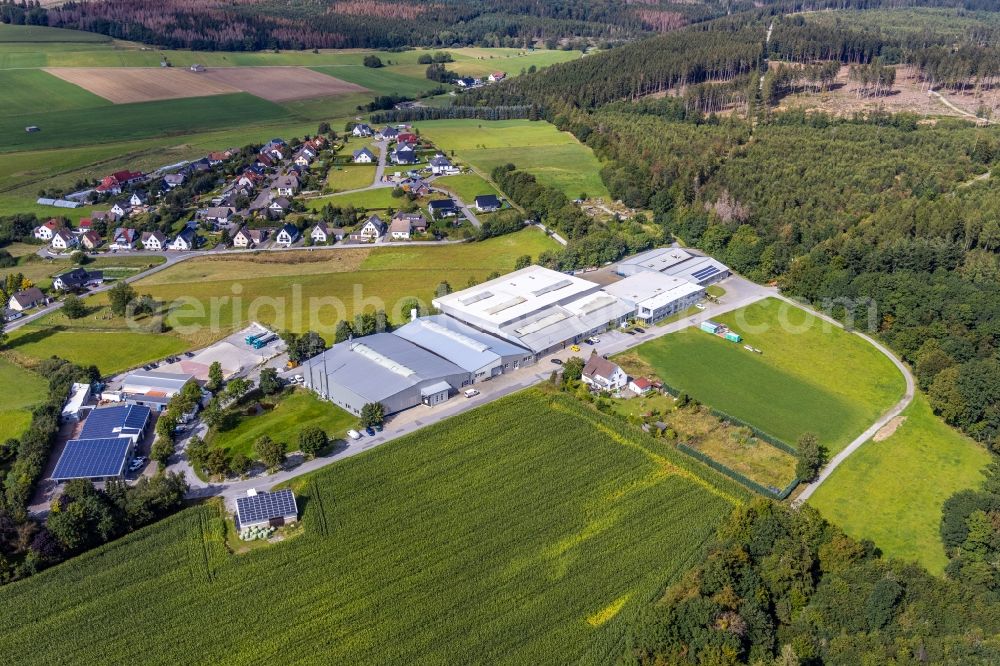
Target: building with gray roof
{"points": [[383, 368], [676, 262]]}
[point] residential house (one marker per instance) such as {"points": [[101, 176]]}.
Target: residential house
{"points": [[441, 165], [124, 239], [486, 203], [90, 240], [465, 82], [116, 182], [265, 160], [121, 210], [363, 156], [172, 180], [286, 185], [153, 241], [184, 241], [287, 235], [46, 231], [372, 229], [248, 238], [404, 155], [302, 158], [218, 157], [217, 215], [408, 138], [138, 198], [498, 76], [101, 216], [84, 225], [602, 374], [278, 207], [26, 299], [640, 385], [442, 208], [323, 233], [387, 133], [63, 240], [404, 225], [199, 166], [362, 130], [76, 279]]}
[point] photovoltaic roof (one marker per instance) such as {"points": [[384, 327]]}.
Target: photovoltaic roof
{"points": [[703, 273], [265, 506], [119, 421], [92, 458]]}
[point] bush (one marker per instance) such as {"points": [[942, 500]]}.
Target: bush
{"points": [[312, 440]]}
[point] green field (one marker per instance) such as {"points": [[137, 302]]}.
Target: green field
{"points": [[892, 491], [20, 391], [122, 122], [466, 186], [30, 91], [41, 271], [379, 198], [522, 533], [351, 177], [292, 413], [812, 376], [111, 351], [556, 158]]}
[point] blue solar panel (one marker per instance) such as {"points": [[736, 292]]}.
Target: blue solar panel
{"points": [[92, 458], [265, 506], [703, 273], [115, 421]]}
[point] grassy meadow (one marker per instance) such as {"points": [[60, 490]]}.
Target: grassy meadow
{"points": [[555, 158], [466, 186], [291, 413], [531, 531], [33, 93], [20, 391], [112, 351], [41, 271], [350, 177], [811, 377], [892, 491]]}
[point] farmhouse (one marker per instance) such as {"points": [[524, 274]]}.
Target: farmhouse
{"points": [[442, 208], [78, 278], [654, 296], [478, 353], [152, 389], [26, 299], [153, 241], [247, 238], [287, 235], [371, 230], [384, 368], [403, 225], [602, 374], [184, 241], [676, 262], [536, 308], [363, 156], [63, 240], [260, 509], [486, 203]]}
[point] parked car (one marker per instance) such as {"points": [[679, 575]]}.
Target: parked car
{"points": [[557, 361], [370, 431], [700, 306], [575, 348], [471, 393], [630, 332], [354, 434], [300, 379], [639, 330]]}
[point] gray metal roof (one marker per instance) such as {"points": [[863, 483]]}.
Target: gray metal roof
{"points": [[437, 387], [462, 345]]}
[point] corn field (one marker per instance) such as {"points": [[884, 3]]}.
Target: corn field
{"points": [[517, 533]]}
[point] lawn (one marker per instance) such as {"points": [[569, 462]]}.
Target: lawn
{"points": [[121, 122], [811, 377], [293, 412], [526, 532], [112, 351], [28, 91], [555, 158], [352, 177], [466, 186], [892, 491], [20, 391], [379, 198]]}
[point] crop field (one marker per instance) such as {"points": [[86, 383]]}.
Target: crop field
{"points": [[20, 390], [280, 84], [466, 186], [892, 491], [555, 158], [123, 122], [292, 413], [28, 90], [812, 377], [141, 84], [531, 531], [351, 177]]}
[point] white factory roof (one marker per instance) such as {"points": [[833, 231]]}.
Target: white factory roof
{"points": [[651, 289], [659, 259], [155, 382], [463, 345], [515, 296]]}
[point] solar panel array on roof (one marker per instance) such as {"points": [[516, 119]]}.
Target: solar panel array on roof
{"points": [[92, 458], [703, 273], [120, 421], [265, 506]]}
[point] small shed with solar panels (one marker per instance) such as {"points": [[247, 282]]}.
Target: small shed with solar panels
{"points": [[262, 509]]}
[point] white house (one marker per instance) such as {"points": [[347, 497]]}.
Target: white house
{"points": [[246, 238], [286, 185], [363, 156], [153, 241], [46, 231], [361, 130], [138, 199], [601, 373], [371, 230], [486, 203], [63, 240], [640, 385], [441, 165], [184, 241], [287, 235], [121, 210], [322, 233], [26, 299], [124, 239]]}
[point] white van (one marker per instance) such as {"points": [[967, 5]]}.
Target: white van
{"points": [[471, 393], [354, 434]]}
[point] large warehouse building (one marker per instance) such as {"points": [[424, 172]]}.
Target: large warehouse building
{"points": [[654, 296], [536, 308], [675, 262]]}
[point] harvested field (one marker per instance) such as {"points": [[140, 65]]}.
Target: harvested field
{"points": [[126, 85], [280, 84]]}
